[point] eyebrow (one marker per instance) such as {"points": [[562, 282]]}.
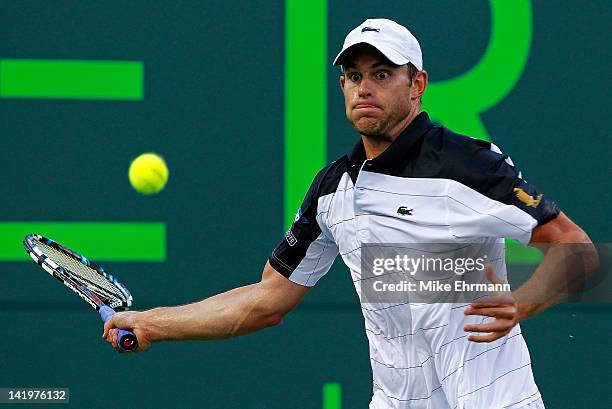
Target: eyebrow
{"points": [[375, 65]]}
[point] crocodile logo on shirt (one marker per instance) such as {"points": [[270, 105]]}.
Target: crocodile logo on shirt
{"points": [[526, 198], [404, 211]]}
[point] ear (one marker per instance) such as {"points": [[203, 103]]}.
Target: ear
{"points": [[342, 79], [419, 84]]}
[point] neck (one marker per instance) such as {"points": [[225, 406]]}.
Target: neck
{"points": [[375, 145]]}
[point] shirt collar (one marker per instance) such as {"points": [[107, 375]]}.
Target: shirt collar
{"points": [[400, 146]]}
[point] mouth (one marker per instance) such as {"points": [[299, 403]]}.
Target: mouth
{"points": [[365, 106]]}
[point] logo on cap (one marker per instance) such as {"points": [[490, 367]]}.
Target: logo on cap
{"points": [[363, 30]]}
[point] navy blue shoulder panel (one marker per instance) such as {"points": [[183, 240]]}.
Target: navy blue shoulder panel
{"points": [[441, 153], [305, 229]]}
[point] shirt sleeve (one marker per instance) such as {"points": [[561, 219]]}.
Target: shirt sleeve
{"points": [[307, 252], [492, 199]]}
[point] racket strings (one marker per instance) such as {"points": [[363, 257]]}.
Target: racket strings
{"points": [[91, 277]]}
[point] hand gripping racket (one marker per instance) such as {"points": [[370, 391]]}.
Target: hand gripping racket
{"points": [[101, 290]]}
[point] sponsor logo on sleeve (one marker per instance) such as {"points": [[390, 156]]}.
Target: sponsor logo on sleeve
{"points": [[291, 240], [526, 198]]}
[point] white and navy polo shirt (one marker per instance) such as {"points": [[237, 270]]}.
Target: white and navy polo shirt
{"points": [[430, 185]]}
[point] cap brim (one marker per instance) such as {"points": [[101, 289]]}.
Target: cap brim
{"points": [[392, 55]]}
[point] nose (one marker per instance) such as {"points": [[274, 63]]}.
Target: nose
{"points": [[365, 89]]}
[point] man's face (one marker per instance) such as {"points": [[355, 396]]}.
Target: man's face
{"points": [[377, 94]]}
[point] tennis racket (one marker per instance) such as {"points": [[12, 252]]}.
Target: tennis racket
{"points": [[88, 280]]}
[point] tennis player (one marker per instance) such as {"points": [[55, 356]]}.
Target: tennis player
{"points": [[406, 180]]}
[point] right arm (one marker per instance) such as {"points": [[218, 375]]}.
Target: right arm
{"points": [[229, 314], [304, 255]]}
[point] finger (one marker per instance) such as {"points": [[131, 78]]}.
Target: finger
{"points": [[487, 338], [107, 326], [109, 337], [500, 312], [496, 300], [114, 336], [495, 326]]}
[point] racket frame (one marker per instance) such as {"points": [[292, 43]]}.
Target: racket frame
{"points": [[71, 280]]}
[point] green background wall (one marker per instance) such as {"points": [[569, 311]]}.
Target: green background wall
{"points": [[214, 106]]}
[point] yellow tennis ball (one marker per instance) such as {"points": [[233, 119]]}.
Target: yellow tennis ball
{"points": [[148, 173]]}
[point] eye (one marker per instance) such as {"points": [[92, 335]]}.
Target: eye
{"points": [[382, 75], [354, 77]]}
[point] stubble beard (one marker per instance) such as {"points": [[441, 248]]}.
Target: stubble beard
{"points": [[374, 129], [378, 129], [371, 128]]}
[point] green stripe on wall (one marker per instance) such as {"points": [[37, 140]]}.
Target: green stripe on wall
{"points": [[516, 253], [100, 241], [332, 395], [305, 98], [71, 79]]}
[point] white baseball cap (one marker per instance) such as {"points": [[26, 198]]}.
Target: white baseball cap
{"points": [[393, 40]]}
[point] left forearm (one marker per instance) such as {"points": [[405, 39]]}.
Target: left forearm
{"points": [[569, 258], [566, 265]]}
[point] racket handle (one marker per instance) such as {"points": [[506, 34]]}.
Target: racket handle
{"points": [[126, 340]]}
